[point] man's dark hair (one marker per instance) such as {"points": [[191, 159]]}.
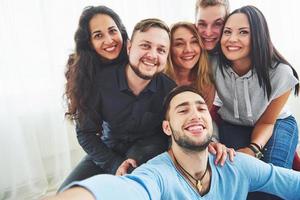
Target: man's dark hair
{"points": [[177, 90]]}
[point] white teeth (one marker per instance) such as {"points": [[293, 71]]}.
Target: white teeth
{"points": [[109, 49], [233, 48], [148, 63], [187, 57], [208, 40], [195, 128]]}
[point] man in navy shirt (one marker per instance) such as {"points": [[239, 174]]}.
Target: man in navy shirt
{"points": [[124, 128]]}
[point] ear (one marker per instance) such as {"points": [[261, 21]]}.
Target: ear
{"points": [[166, 127], [128, 46]]}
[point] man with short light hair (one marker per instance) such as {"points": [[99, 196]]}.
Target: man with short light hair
{"points": [[209, 20]]}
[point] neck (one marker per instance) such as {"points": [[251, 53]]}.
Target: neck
{"points": [[193, 162], [135, 83], [241, 67], [183, 76]]}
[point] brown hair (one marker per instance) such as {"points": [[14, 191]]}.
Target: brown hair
{"points": [[207, 3], [146, 24], [204, 79]]}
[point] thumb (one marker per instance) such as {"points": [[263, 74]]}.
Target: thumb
{"points": [[132, 162]]}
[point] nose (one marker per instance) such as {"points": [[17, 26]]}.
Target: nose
{"points": [[195, 114], [151, 53], [208, 31], [188, 48], [233, 38], [108, 39]]}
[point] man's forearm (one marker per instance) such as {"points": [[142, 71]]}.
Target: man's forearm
{"points": [[75, 193]]}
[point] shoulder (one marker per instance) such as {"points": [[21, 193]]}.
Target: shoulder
{"points": [[242, 163], [159, 166], [282, 79], [110, 74], [165, 80], [280, 69], [161, 160], [164, 83], [248, 166], [109, 69]]}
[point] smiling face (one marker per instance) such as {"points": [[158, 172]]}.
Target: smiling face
{"points": [[236, 40], [209, 22], [148, 52], [185, 49], [106, 38], [189, 122]]}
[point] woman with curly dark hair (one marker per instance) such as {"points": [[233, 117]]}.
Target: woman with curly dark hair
{"points": [[98, 45], [100, 40]]}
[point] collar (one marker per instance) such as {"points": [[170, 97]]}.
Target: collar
{"points": [[247, 75], [123, 85]]}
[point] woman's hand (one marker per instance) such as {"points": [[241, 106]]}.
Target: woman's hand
{"points": [[123, 168], [221, 152]]}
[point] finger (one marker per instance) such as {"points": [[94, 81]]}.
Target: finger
{"points": [[211, 149], [132, 162], [231, 153], [219, 154], [123, 168], [223, 157], [119, 172]]}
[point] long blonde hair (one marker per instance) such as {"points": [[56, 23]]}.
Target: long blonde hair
{"points": [[202, 69]]}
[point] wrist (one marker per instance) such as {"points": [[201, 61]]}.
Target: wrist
{"points": [[258, 146], [256, 150]]}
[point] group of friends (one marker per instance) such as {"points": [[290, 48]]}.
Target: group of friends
{"points": [[155, 96]]}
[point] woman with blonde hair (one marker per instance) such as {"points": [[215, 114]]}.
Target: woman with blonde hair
{"points": [[188, 62]]}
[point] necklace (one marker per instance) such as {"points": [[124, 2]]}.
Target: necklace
{"points": [[186, 174]]}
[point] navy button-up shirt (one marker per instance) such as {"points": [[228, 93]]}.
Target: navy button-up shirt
{"points": [[122, 118]]}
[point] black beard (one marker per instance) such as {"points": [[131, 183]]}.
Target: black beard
{"points": [[186, 143], [139, 73]]}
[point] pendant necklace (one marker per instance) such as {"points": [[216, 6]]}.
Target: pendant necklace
{"points": [[186, 174]]}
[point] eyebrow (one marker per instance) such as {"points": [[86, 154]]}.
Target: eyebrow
{"points": [[186, 103], [246, 27], [219, 19], [181, 39], [148, 42], [178, 38], [98, 31]]}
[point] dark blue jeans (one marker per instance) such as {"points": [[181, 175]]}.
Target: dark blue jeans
{"points": [[280, 149]]}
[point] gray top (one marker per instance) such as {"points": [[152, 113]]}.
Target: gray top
{"points": [[244, 101]]}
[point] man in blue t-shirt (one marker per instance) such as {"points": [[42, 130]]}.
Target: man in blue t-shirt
{"points": [[187, 170]]}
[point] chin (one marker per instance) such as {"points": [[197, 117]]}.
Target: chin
{"points": [[209, 47]]}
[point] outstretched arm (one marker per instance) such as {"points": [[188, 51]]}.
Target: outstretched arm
{"points": [[107, 187], [75, 193]]}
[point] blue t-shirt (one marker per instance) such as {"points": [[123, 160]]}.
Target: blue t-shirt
{"points": [[159, 179]]}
